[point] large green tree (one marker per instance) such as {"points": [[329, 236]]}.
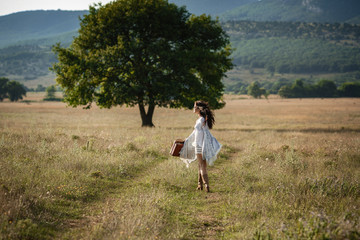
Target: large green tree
{"points": [[147, 53]]}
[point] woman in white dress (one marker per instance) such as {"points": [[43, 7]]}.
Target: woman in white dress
{"points": [[201, 145]]}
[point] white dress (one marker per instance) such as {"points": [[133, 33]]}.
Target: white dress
{"points": [[200, 141]]}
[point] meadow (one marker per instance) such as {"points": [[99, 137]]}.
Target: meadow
{"points": [[288, 169]]}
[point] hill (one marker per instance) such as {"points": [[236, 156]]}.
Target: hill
{"points": [[276, 53], [47, 26], [287, 47], [213, 7], [33, 25], [297, 11], [275, 47], [29, 61]]}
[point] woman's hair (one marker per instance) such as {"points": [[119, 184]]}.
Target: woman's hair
{"points": [[206, 113]]}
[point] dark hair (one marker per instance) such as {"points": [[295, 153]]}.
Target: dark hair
{"points": [[206, 113]]}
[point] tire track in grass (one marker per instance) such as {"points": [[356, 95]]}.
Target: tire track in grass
{"points": [[195, 214], [210, 226], [149, 205], [95, 213]]}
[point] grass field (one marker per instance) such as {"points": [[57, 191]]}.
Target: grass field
{"points": [[288, 169]]}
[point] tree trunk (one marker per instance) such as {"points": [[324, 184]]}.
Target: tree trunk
{"points": [[147, 117]]}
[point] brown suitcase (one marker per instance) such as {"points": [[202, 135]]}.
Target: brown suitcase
{"points": [[176, 147]]}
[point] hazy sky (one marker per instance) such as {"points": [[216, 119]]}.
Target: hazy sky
{"points": [[11, 6]]}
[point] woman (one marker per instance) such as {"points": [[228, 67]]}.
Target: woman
{"points": [[201, 145]]}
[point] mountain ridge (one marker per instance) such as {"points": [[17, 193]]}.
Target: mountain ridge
{"points": [[18, 27], [37, 24], [32, 33], [330, 11]]}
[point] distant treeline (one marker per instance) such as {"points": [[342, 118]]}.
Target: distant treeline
{"points": [[287, 47], [41, 88], [300, 88], [323, 89]]}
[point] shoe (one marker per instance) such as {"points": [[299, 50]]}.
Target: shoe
{"points": [[206, 182]]}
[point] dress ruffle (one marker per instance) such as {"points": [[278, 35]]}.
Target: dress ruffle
{"points": [[210, 147]]}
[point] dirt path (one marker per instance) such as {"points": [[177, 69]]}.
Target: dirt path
{"points": [[209, 223], [105, 218]]}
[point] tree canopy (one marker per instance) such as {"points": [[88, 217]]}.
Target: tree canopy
{"points": [[15, 91], [146, 53], [11, 89], [255, 91], [3, 88]]}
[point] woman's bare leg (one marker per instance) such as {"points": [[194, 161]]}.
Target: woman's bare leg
{"points": [[203, 171], [200, 182]]}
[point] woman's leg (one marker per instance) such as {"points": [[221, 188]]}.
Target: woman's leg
{"points": [[200, 182], [203, 171]]}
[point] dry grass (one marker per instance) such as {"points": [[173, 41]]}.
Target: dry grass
{"points": [[288, 169]]}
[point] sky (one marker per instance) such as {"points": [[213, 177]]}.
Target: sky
{"points": [[11, 6]]}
